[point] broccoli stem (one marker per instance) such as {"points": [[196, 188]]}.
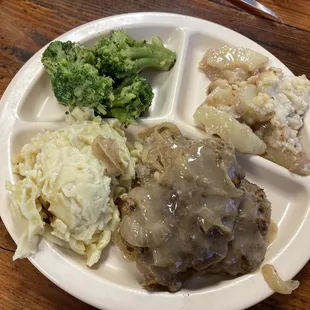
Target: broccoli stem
{"points": [[159, 64], [157, 57]]}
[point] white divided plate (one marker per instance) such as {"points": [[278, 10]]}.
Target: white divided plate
{"points": [[29, 105]]}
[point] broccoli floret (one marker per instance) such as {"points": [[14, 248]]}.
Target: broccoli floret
{"points": [[58, 51], [75, 80], [120, 56], [132, 98], [79, 84]]}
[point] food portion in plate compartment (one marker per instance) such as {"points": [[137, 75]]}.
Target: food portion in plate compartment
{"points": [[65, 191], [191, 211], [119, 55], [228, 128], [107, 77], [248, 99]]}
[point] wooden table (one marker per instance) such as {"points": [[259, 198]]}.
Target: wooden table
{"points": [[26, 26]]}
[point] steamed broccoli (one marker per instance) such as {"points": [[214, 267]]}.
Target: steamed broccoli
{"points": [[120, 56], [131, 99], [78, 84], [66, 51], [75, 81], [106, 78]]}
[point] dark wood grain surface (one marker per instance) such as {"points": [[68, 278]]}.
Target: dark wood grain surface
{"points": [[26, 26]]}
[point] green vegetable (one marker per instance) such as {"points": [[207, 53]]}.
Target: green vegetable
{"points": [[132, 98], [119, 55], [106, 78], [75, 81], [71, 52], [79, 84]]}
